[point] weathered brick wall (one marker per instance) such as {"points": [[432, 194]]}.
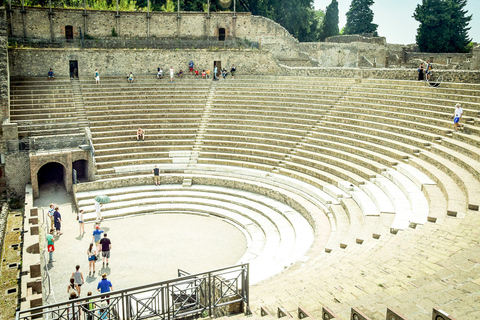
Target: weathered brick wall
{"points": [[462, 76], [350, 54], [160, 24], [17, 172], [357, 38], [36, 62], [4, 74]]}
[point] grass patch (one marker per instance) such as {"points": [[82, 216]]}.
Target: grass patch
{"points": [[8, 276]]}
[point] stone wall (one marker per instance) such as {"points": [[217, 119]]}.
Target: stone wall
{"points": [[460, 76], [462, 61], [353, 54], [99, 24], [356, 38], [4, 73], [36, 62], [17, 172]]}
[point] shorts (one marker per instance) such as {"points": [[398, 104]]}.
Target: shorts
{"points": [[106, 254], [80, 221], [97, 242], [79, 284], [191, 69], [156, 178], [91, 258], [233, 73], [97, 78], [456, 120], [57, 226]]}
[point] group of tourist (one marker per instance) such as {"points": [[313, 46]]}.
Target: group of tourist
{"points": [[98, 245], [191, 66], [425, 72]]}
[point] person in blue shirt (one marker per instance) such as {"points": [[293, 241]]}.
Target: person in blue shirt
{"points": [[97, 235], [50, 75], [104, 285], [190, 66]]}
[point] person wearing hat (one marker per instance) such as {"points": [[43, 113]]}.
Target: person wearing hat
{"points": [[457, 115], [97, 235]]}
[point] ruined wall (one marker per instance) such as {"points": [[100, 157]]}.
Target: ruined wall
{"points": [[17, 171], [99, 24], [356, 38], [4, 74], [353, 54], [115, 62]]}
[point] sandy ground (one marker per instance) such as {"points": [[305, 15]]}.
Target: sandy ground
{"points": [[145, 248]]}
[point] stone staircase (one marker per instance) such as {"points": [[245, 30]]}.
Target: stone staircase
{"points": [[79, 105], [373, 167]]}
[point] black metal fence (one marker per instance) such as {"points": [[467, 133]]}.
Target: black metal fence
{"points": [[190, 295], [46, 143], [135, 43]]}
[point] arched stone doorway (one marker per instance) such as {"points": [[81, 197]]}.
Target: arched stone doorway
{"points": [[51, 177], [81, 168]]}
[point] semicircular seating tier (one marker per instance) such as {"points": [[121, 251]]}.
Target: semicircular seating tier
{"points": [[371, 167]]}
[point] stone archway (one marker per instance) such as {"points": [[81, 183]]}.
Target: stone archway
{"points": [[39, 160], [51, 176], [81, 168]]}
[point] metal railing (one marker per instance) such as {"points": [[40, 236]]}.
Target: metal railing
{"points": [[190, 295], [46, 143]]}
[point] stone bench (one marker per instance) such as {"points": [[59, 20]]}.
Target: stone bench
{"points": [[395, 124], [391, 132]]}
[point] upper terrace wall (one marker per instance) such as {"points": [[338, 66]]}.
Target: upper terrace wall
{"points": [[137, 24], [4, 75], [118, 62]]}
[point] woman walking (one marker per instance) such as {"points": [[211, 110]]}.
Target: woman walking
{"points": [[78, 277], [92, 254]]}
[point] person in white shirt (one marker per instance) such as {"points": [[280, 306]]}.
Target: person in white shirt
{"points": [[457, 116], [171, 74], [98, 207]]}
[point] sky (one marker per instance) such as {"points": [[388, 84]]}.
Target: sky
{"points": [[394, 18]]}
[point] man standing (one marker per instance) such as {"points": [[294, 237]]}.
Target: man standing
{"points": [[50, 213], [97, 77], [172, 71], [428, 70], [50, 245], [104, 286], [97, 235], [98, 207], [232, 71], [156, 175], [457, 116], [190, 66], [57, 220], [215, 73], [106, 246]]}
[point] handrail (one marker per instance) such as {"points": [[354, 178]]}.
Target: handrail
{"points": [[191, 294]]}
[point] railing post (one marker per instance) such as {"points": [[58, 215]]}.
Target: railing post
{"points": [[167, 300], [210, 294], [247, 279]]}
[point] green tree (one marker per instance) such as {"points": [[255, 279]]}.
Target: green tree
{"points": [[443, 26], [329, 26], [360, 18], [298, 16]]}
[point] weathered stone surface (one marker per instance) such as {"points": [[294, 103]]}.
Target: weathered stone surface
{"points": [[37, 62]]}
